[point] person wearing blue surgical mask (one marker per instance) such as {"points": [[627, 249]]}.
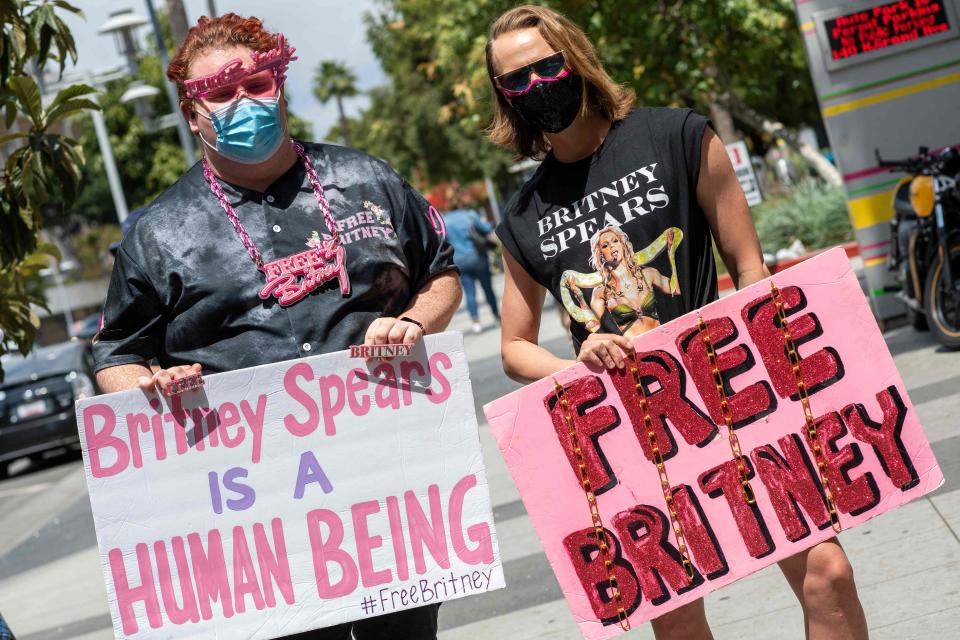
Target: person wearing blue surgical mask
{"points": [[266, 250], [242, 125], [248, 129]]}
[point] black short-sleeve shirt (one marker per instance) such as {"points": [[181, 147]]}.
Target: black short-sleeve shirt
{"points": [[619, 238], [184, 289]]}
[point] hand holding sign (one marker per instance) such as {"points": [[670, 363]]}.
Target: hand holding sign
{"points": [[734, 437], [291, 496], [604, 350], [165, 379], [390, 331]]}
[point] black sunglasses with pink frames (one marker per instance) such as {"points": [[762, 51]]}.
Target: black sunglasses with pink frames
{"points": [[518, 81]]}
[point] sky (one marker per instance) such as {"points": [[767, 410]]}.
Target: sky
{"points": [[319, 29]]}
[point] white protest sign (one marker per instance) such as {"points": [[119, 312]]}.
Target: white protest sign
{"points": [[291, 496], [740, 157]]}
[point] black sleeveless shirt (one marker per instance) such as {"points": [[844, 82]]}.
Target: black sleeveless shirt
{"points": [[619, 238]]}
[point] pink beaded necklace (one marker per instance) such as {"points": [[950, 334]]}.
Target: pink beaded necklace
{"points": [[292, 278]]}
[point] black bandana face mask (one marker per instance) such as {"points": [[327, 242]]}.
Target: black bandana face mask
{"points": [[550, 107]]}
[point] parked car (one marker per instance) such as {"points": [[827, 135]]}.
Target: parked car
{"points": [[86, 328], [37, 397]]}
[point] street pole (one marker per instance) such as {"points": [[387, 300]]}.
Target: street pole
{"points": [[106, 152], [62, 292], [186, 139], [492, 195]]}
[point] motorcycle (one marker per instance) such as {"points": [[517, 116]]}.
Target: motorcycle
{"points": [[925, 241]]}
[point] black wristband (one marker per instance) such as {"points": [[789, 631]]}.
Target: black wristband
{"points": [[416, 322]]}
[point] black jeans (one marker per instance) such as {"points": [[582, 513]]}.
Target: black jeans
{"points": [[410, 624]]}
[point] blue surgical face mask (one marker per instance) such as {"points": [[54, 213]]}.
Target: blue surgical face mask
{"points": [[248, 130]]}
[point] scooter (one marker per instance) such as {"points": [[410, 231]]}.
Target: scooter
{"points": [[925, 241]]}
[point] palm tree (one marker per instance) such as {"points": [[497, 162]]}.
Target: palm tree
{"points": [[335, 80]]}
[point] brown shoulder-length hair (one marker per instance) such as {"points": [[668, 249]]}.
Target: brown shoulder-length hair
{"points": [[600, 93]]}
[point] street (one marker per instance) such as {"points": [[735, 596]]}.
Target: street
{"points": [[907, 562]]}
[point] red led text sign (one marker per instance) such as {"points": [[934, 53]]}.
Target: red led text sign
{"points": [[891, 25]]}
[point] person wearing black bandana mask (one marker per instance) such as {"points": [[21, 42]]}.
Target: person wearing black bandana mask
{"points": [[547, 104], [618, 224]]}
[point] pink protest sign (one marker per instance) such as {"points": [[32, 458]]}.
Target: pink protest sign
{"points": [[861, 453], [291, 496]]}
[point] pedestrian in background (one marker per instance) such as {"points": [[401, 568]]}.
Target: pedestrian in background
{"points": [[469, 235]]}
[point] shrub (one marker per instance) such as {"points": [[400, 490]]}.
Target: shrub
{"points": [[814, 212]]}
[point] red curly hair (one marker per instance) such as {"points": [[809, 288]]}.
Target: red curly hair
{"points": [[228, 30]]}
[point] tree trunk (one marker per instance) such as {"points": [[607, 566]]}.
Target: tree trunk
{"points": [[730, 104], [722, 122], [719, 112], [344, 129], [178, 21], [824, 168]]}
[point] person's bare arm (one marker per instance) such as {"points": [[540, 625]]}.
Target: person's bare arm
{"points": [[722, 200], [139, 375], [433, 307], [524, 359]]}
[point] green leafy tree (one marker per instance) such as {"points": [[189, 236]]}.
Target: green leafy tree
{"points": [[743, 58], [335, 81], [298, 128], [427, 122], [92, 247], [20, 288], [148, 159], [410, 128], [43, 165]]}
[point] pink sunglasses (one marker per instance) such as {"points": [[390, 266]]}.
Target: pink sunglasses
{"points": [[519, 81]]}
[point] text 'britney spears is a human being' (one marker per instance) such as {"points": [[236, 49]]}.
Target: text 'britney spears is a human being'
{"points": [[358, 534]]}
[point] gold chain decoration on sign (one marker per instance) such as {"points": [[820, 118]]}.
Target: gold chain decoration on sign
{"points": [[594, 510], [661, 468], [727, 415], [811, 425]]}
